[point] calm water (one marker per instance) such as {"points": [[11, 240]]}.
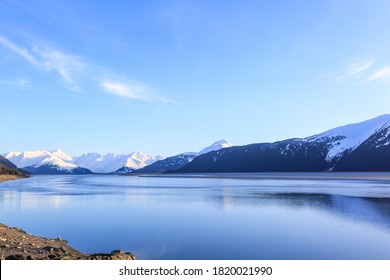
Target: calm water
{"points": [[256, 216]]}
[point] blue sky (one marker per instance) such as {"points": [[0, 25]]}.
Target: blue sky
{"points": [[165, 77]]}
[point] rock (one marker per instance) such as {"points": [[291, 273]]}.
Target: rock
{"points": [[48, 248], [116, 252], [15, 257], [15, 244]]}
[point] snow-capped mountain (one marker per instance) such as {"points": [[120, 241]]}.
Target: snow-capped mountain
{"points": [[58, 162], [170, 163], [363, 146], [215, 146], [348, 137], [38, 158], [23, 159], [45, 162], [114, 162], [53, 169], [181, 160], [356, 147]]}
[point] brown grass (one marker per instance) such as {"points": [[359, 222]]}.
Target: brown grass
{"points": [[4, 178]]}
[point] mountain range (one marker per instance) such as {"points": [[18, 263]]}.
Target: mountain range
{"points": [[180, 160], [58, 162], [363, 146], [355, 147]]}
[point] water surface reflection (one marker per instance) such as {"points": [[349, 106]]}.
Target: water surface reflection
{"points": [[208, 217]]}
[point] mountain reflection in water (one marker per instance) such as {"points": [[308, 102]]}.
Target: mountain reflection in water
{"points": [[231, 216]]}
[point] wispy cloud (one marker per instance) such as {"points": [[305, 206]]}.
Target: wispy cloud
{"points": [[354, 69], [73, 68], [19, 51], [132, 90], [380, 74], [67, 66], [20, 83], [48, 59]]}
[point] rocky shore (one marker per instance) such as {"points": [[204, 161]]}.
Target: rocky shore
{"points": [[16, 244]]}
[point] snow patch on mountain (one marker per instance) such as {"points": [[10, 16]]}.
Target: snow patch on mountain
{"points": [[101, 164], [215, 146], [56, 161], [92, 161], [112, 162], [38, 158], [139, 160], [349, 137], [28, 158]]}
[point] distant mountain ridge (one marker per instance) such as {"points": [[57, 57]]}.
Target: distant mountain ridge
{"points": [[180, 160], [355, 147], [58, 162], [110, 162], [363, 146]]}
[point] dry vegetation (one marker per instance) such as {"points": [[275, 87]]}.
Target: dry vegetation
{"points": [[5, 177]]}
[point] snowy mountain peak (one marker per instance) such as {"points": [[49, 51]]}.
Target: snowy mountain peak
{"points": [[12, 154], [180, 160], [138, 160], [222, 142], [215, 146], [55, 160], [61, 155], [112, 162], [27, 158], [348, 137]]}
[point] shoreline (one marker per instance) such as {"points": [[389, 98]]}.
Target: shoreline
{"points": [[5, 177], [16, 244], [358, 175]]}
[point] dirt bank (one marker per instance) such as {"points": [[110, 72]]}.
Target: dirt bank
{"points": [[16, 244]]}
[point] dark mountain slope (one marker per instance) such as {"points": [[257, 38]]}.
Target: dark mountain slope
{"points": [[51, 169], [361, 146], [285, 156], [372, 155], [169, 163], [6, 163]]}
